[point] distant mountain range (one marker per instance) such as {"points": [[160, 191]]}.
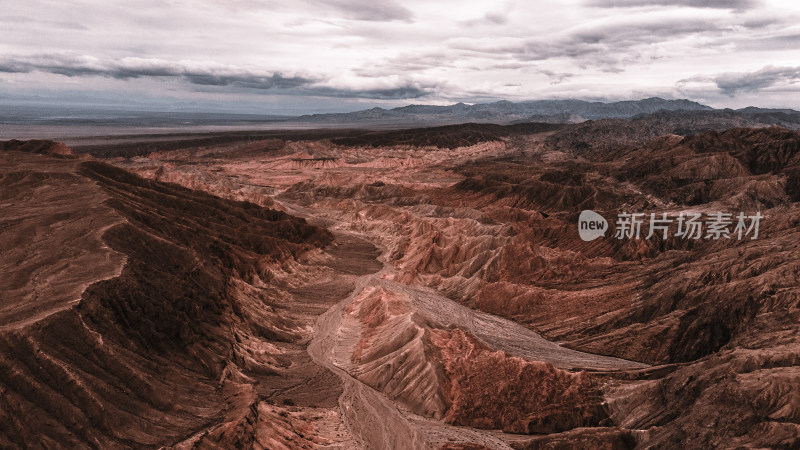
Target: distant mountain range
{"points": [[505, 112], [681, 114]]}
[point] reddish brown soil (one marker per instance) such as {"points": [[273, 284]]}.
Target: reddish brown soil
{"points": [[218, 299]]}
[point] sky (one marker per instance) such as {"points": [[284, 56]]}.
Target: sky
{"points": [[307, 56]]}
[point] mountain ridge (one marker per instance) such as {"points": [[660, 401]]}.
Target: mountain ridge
{"points": [[559, 111]]}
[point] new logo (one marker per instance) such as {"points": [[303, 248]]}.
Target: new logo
{"points": [[591, 225]]}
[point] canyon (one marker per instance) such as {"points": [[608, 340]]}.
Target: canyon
{"points": [[415, 288]]}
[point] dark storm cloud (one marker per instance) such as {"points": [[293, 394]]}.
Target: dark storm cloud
{"points": [[392, 93], [369, 10], [79, 66], [408, 62], [25, 21], [496, 18], [556, 77], [490, 18], [739, 5], [274, 81], [761, 23], [732, 83], [604, 46], [777, 42]]}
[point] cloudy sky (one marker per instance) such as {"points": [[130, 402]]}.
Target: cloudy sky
{"points": [[338, 55]]}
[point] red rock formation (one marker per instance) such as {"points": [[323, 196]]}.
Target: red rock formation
{"points": [[489, 389]]}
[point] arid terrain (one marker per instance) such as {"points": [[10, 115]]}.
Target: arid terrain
{"points": [[400, 289]]}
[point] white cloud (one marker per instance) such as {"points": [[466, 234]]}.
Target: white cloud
{"points": [[399, 52]]}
